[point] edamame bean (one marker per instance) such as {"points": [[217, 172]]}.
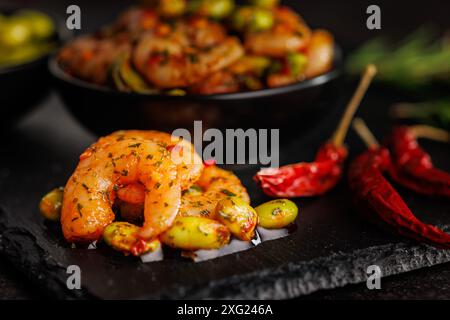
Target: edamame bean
{"points": [[239, 217], [192, 233], [50, 205], [253, 19], [172, 8], [122, 236], [268, 4], [297, 63], [277, 214], [216, 9]]}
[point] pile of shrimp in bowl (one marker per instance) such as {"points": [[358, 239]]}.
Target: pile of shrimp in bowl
{"points": [[138, 190], [200, 47]]}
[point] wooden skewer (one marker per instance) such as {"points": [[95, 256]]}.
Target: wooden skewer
{"points": [[341, 131], [364, 132], [428, 132]]}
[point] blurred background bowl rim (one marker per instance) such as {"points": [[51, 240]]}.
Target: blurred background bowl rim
{"points": [[57, 72]]}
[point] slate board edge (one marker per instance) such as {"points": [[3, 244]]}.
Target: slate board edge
{"points": [[298, 279], [286, 281], [39, 273]]}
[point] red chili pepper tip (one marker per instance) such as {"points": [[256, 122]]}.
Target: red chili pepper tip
{"points": [[138, 248]]}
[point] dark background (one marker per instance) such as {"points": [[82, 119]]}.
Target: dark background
{"points": [[347, 20]]}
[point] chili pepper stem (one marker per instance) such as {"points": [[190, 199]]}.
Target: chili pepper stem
{"points": [[428, 132], [342, 129], [364, 133]]}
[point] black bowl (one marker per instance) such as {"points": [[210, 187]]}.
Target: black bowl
{"points": [[103, 110], [24, 86]]}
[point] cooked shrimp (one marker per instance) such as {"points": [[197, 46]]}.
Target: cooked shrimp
{"points": [[90, 58], [217, 184], [219, 82], [214, 185], [189, 163], [202, 32], [289, 34], [280, 79], [243, 74], [90, 192], [320, 53], [166, 63], [136, 20]]}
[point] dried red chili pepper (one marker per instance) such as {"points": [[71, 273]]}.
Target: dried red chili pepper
{"points": [[305, 179], [377, 199], [318, 177], [412, 166]]}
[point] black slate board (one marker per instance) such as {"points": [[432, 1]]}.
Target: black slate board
{"points": [[332, 246]]}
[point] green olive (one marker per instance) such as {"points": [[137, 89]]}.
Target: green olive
{"points": [[15, 32], [122, 236], [41, 25], [268, 4], [277, 214], [193, 233], [216, 9], [50, 204], [252, 19], [172, 8], [239, 217], [297, 63]]}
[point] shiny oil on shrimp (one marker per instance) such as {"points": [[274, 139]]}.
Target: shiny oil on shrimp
{"points": [[90, 58], [90, 192], [214, 185], [185, 55], [182, 152], [217, 196], [288, 34]]}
